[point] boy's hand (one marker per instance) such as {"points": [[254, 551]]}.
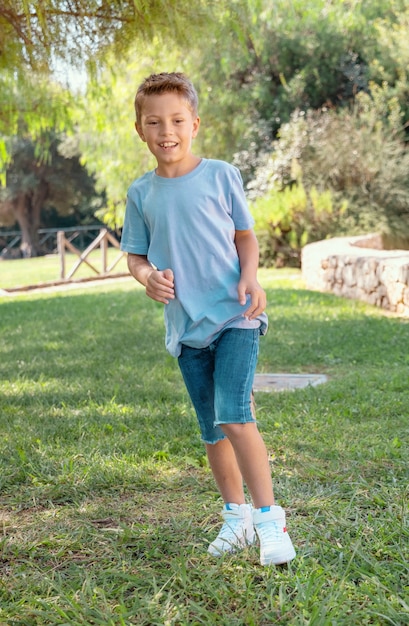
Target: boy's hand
{"points": [[160, 285], [258, 298]]}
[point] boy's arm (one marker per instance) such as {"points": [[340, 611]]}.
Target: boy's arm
{"points": [[159, 284], [247, 249]]}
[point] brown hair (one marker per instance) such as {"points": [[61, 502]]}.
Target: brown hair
{"points": [[157, 84]]}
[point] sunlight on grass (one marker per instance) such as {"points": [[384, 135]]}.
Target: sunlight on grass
{"points": [[23, 272], [107, 500]]}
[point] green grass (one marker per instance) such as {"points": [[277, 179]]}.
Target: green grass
{"points": [[23, 272], [107, 503]]}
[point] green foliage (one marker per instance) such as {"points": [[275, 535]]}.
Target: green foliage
{"points": [[254, 64], [247, 85], [31, 104], [39, 32], [390, 60], [108, 504], [39, 183], [45, 41], [110, 146], [297, 55], [288, 219], [354, 159]]}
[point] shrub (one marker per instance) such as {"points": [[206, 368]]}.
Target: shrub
{"points": [[288, 219], [354, 161]]}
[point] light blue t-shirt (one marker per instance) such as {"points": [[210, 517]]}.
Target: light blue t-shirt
{"points": [[188, 224]]}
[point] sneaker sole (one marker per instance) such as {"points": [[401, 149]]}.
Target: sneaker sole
{"points": [[231, 547], [283, 559]]}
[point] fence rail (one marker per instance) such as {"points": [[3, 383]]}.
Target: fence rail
{"points": [[82, 235], [101, 241]]}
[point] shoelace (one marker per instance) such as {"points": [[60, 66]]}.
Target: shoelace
{"points": [[229, 528], [269, 532]]}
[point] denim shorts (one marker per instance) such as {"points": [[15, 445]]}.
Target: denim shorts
{"points": [[219, 380]]}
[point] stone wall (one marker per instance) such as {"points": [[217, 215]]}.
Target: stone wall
{"points": [[357, 267]]}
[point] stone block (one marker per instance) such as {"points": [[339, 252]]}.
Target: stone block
{"points": [[403, 274], [395, 292], [349, 275], [353, 268], [382, 291], [370, 282], [371, 298]]}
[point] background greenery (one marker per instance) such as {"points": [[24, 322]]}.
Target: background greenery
{"points": [[308, 94], [108, 504]]}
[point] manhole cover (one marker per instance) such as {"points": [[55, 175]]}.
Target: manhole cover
{"points": [[286, 382]]}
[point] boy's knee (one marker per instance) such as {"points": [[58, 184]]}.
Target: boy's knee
{"points": [[236, 430]]}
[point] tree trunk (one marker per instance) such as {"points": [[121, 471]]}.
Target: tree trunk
{"points": [[28, 212]]}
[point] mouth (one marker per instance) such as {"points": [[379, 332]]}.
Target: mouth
{"points": [[168, 144]]}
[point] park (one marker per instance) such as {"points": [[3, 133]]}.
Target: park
{"points": [[107, 499]]}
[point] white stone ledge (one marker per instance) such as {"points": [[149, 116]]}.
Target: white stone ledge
{"points": [[352, 268]]}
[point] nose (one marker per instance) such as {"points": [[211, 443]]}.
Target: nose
{"points": [[167, 128]]}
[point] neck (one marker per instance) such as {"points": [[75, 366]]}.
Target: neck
{"points": [[174, 170]]}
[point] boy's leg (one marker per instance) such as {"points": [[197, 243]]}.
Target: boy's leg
{"points": [[226, 472], [234, 373], [252, 459], [197, 367], [237, 530], [235, 364]]}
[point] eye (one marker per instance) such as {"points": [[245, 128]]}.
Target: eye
{"points": [[152, 123], [179, 121]]}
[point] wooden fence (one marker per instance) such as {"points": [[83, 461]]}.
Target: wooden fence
{"points": [[10, 241], [102, 241]]}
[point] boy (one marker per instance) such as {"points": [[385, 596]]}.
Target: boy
{"points": [[189, 238]]}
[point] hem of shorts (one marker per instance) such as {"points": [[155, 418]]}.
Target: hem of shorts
{"points": [[211, 443], [251, 421]]}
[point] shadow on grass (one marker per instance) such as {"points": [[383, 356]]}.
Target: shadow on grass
{"points": [[107, 499]]}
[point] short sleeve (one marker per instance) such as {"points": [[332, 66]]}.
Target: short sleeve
{"points": [[135, 235], [242, 218]]}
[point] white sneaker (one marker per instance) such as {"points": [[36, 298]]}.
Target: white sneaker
{"points": [[237, 530], [275, 544]]}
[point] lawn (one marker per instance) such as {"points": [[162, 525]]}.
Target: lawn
{"points": [[23, 272], [107, 502]]}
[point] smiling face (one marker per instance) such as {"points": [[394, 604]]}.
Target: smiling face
{"points": [[168, 125]]}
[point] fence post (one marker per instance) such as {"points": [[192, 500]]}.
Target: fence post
{"points": [[104, 251], [61, 252]]}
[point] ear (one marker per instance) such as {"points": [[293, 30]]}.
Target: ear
{"points": [[196, 124], [138, 129]]}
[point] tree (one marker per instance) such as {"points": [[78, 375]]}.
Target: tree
{"points": [[37, 32], [251, 74], [109, 144], [253, 62], [40, 39], [34, 184], [299, 55], [42, 36]]}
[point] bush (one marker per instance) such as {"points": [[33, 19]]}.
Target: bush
{"points": [[286, 220], [353, 161]]}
